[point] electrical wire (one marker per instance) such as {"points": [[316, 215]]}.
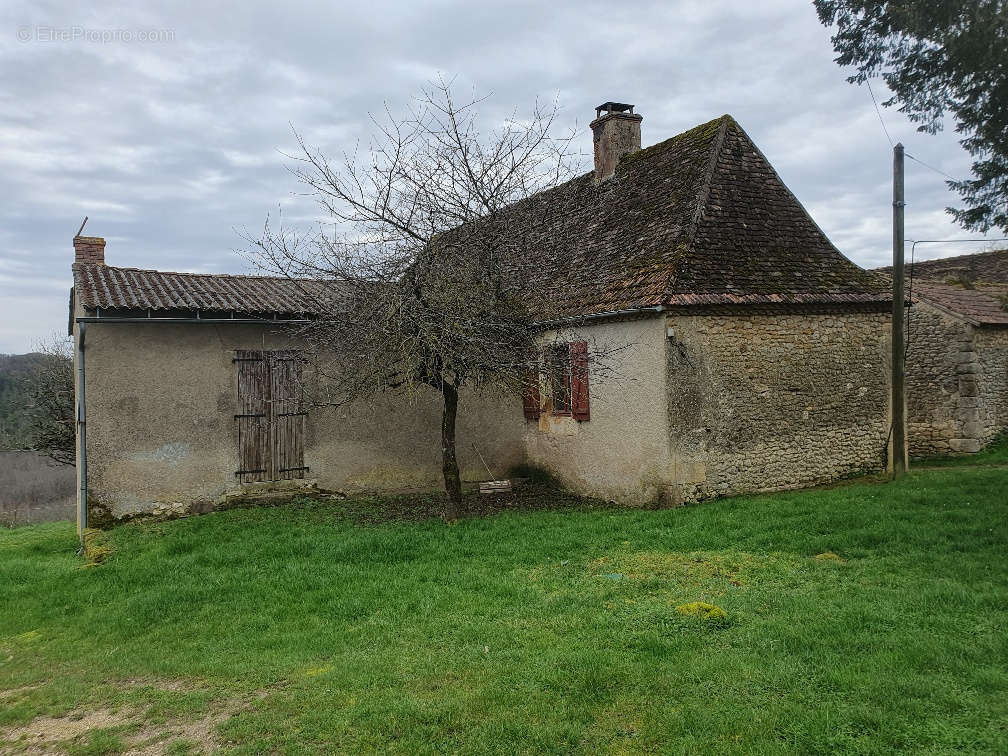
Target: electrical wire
{"points": [[936, 170], [885, 130], [879, 112]]}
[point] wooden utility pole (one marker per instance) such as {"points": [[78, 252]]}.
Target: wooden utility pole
{"points": [[898, 400]]}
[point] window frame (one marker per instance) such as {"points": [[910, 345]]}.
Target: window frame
{"points": [[559, 365]]}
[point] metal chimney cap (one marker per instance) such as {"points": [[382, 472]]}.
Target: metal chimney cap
{"points": [[613, 107]]}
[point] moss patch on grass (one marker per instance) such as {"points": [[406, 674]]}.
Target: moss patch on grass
{"points": [[703, 611], [97, 548], [829, 556]]}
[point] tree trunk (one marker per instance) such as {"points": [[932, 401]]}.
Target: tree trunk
{"points": [[453, 484]]}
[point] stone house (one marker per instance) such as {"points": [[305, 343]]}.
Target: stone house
{"points": [[957, 355], [758, 356]]}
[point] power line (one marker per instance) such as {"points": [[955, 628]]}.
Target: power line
{"points": [[878, 112], [936, 170], [951, 241]]}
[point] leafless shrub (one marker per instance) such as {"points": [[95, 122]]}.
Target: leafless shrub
{"points": [[436, 283], [34, 488], [49, 390]]}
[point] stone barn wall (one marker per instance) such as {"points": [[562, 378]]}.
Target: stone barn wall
{"points": [[941, 384], [956, 383], [761, 402], [992, 358]]}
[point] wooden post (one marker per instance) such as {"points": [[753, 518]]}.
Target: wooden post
{"points": [[898, 399]]}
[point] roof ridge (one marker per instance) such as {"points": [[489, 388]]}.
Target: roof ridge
{"points": [[183, 273], [703, 195], [985, 253]]}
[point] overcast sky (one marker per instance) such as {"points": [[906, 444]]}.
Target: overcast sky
{"points": [[168, 127]]}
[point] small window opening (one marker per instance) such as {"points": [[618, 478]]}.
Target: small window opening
{"points": [[560, 378]]}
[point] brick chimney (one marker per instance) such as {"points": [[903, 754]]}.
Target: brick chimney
{"points": [[89, 249], [616, 132]]}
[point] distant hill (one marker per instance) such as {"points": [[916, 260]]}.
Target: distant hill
{"points": [[14, 369]]}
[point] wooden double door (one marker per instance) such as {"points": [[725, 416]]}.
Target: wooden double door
{"points": [[271, 416]]}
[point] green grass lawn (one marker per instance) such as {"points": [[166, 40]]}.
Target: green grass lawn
{"points": [[301, 629]]}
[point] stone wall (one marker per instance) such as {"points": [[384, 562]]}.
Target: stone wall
{"points": [[956, 383], [992, 358], [723, 403], [761, 402], [941, 384]]}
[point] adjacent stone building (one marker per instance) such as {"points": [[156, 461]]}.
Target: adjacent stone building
{"points": [[757, 355], [957, 354]]}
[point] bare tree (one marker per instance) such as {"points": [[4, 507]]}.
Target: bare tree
{"points": [[49, 399], [433, 283]]}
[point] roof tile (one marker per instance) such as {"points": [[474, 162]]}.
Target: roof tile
{"points": [[112, 288]]}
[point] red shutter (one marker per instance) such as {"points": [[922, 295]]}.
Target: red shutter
{"points": [[530, 398], [579, 380]]}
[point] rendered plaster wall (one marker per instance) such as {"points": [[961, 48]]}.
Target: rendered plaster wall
{"points": [[621, 453], [761, 402], [161, 432]]}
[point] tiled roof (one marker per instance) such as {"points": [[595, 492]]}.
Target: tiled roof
{"points": [[699, 219], [111, 288], [982, 267], [983, 307], [974, 287]]}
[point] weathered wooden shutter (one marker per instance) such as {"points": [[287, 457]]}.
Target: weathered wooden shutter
{"points": [[287, 416], [271, 416], [531, 400], [254, 455], [579, 380]]}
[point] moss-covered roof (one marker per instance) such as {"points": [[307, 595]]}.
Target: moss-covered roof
{"points": [[701, 218], [974, 287]]}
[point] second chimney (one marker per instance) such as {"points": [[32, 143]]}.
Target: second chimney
{"points": [[89, 249], [616, 132]]}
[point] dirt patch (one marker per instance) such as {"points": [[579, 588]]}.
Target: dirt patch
{"points": [[50, 731], [6, 695], [152, 740], [57, 734]]}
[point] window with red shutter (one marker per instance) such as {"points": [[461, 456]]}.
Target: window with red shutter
{"points": [[558, 363], [579, 401]]}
